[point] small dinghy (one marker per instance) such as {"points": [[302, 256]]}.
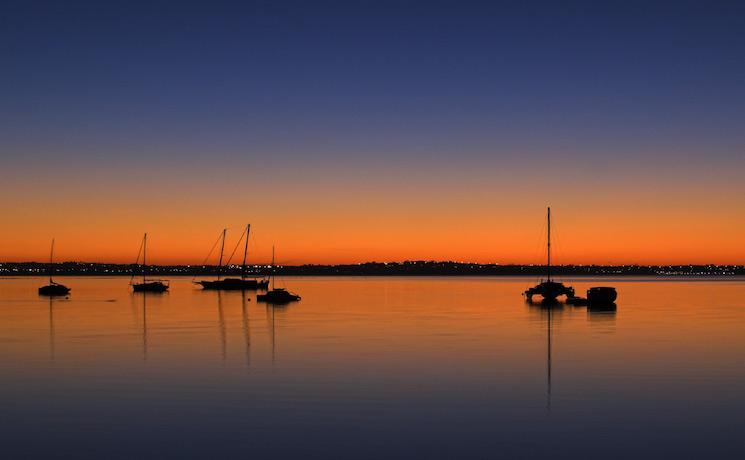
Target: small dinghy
{"points": [[602, 295]]}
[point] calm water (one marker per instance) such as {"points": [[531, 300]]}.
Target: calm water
{"points": [[372, 368]]}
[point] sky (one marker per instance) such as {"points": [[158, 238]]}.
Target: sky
{"points": [[374, 130]]}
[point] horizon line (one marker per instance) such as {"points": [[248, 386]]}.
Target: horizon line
{"points": [[401, 262]]}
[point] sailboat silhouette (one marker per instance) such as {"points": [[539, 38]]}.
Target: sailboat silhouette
{"points": [[53, 289], [549, 289], [277, 295], [235, 284], [147, 286]]}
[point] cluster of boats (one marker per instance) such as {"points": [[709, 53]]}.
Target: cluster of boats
{"points": [[272, 295], [550, 290]]}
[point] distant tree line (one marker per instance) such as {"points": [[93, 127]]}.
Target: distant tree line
{"points": [[407, 268]]}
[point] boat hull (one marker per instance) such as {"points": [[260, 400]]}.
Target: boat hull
{"points": [[234, 284], [153, 286], [278, 296], [549, 291], [54, 290], [601, 296]]}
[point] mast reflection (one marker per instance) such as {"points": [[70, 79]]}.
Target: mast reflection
{"points": [[271, 310], [145, 331], [221, 326], [52, 354], [549, 333], [246, 329], [144, 326], [547, 310], [270, 317]]}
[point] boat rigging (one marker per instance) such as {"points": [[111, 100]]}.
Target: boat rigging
{"points": [[53, 289], [145, 285], [234, 284]]}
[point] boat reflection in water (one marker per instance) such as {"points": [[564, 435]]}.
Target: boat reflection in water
{"points": [[602, 314], [547, 310], [602, 308], [246, 327], [271, 311], [51, 330], [390, 354], [144, 311]]}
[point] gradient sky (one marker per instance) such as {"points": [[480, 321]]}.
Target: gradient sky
{"points": [[374, 130]]}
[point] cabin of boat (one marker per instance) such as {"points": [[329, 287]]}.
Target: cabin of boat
{"points": [[54, 289], [150, 286], [278, 296], [235, 284]]}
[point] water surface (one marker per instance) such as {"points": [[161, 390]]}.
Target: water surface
{"points": [[371, 368]]}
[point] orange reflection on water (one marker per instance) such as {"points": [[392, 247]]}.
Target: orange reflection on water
{"points": [[446, 326]]}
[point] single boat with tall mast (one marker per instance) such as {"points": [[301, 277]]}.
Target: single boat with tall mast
{"points": [[549, 289], [277, 295], [243, 283], [147, 286], [53, 289]]}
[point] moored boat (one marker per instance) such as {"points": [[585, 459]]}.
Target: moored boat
{"points": [[145, 285], [151, 286], [235, 284], [244, 283], [549, 289], [277, 295], [601, 295], [53, 288]]}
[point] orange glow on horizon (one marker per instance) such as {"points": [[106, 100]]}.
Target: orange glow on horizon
{"points": [[466, 236], [349, 218]]}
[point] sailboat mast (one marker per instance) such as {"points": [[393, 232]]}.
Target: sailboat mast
{"points": [[549, 243], [144, 257], [51, 262], [274, 269], [245, 253], [222, 250]]}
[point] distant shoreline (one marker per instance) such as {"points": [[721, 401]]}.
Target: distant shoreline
{"points": [[408, 268]]}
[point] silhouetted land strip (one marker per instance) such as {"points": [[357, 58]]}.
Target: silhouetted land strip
{"points": [[408, 268]]}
